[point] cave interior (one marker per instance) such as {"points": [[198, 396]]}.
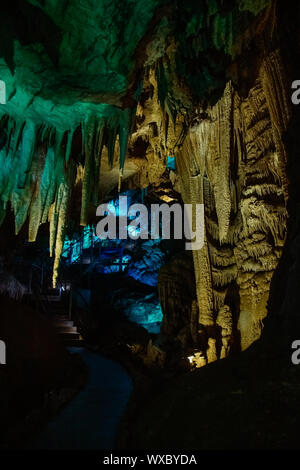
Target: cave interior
{"points": [[151, 102]]}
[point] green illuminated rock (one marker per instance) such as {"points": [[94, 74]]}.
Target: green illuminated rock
{"points": [[77, 67]]}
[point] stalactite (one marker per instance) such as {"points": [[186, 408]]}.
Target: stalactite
{"points": [[61, 223], [48, 183], [219, 298], [58, 138], [273, 83], [2, 215], [97, 159], [17, 137], [112, 127], [54, 216], [28, 178], [233, 231], [208, 144], [202, 263], [10, 127], [125, 129], [224, 276], [59, 216], [27, 151], [120, 180], [221, 256], [96, 130], [35, 210], [222, 162], [69, 144], [89, 128]]}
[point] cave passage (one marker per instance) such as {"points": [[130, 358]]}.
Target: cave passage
{"points": [[121, 274], [91, 419], [145, 341]]}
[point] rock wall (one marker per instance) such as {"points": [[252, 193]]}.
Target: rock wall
{"points": [[202, 83], [234, 162]]}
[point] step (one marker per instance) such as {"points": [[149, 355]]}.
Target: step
{"points": [[63, 323], [71, 336], [66, 329], [59, 314], [52, 298], [59, 306], [56, 317], [74, 342], [51, 292]]}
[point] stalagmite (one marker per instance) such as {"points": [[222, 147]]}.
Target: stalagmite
{"points": [[224, 321], [211, 351]]}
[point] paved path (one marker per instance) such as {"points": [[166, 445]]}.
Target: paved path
{"points": [[90, 420]]}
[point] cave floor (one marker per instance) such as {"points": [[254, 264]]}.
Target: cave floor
{"points": [[250, 401], [91, 419]]}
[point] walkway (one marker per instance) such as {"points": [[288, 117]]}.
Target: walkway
{"points": [[91, 419]]}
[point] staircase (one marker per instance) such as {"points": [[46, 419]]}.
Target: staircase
{"points": [[57, 312], [67, 331]]}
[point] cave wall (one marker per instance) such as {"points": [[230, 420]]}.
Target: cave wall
{"points": [[205, 84], [234, 162], [233, 159]]}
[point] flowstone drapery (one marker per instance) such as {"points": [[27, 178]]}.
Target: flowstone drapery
{"points": [[233, 160]]}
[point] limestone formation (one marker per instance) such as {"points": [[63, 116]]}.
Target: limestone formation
{"points": [[241, 180], [100, 100]]}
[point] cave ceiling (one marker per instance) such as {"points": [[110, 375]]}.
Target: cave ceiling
{"points": [[63, 60]]}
